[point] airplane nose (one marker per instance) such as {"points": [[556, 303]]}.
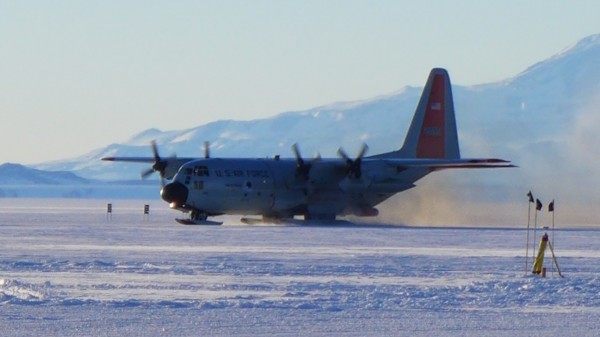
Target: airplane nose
{"points": [[174, 193]]}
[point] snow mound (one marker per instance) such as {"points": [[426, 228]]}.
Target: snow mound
{"points": [[16, 292]]}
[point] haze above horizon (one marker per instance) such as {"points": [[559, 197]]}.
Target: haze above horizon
{"points": [[81, 75]]}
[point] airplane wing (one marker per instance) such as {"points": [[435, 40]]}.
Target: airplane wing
{"points": [[167, 167], [130, 159]]}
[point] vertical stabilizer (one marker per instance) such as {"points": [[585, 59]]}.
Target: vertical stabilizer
{"points": [[432, 132]]}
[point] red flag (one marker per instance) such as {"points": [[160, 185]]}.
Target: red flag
{"points": [[538, 204], [551, 206]]}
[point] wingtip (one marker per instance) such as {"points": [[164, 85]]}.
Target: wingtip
{"points": [[489, 161]]}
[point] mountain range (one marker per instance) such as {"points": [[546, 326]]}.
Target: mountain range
{"points": [[544, 120], [18, 181]]}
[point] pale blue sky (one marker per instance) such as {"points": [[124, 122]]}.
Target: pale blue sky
{"points": [[79, 75]]}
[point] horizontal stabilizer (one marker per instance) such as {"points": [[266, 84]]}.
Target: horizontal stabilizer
{"points": [[443, 164]]}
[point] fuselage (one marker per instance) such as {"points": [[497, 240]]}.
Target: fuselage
{"points": [[273, 187], [320, 188]]}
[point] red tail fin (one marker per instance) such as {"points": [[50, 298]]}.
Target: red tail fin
{"points": [[432, 132]]}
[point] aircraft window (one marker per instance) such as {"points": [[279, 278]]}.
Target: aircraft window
{"points": [[198, 185], [188, 171], [201, 171]]}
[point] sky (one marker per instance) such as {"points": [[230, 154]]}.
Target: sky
{"points": [[79, 75]]}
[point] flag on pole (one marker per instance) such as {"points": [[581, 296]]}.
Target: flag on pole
{"points": [[551, 206], [530, 197], [538, 204]]}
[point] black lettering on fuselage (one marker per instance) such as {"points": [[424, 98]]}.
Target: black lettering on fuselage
{"points": [[227, 173], [257, 173]]}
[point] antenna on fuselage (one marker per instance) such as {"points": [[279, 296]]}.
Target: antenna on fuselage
{"points": [[206, 149]]}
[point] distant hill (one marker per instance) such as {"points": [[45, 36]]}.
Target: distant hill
{"points": [[18, 181], [16, 174]]}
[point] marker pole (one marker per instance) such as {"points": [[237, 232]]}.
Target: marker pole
{"points": [[109, 212]]}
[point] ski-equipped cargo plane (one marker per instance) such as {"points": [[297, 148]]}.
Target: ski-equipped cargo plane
{"points": [[322, 188]]}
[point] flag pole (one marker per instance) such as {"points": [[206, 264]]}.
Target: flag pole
{"points": [[538, 206], [554, 260], [527, 235], [534, 229], [551, 209]]}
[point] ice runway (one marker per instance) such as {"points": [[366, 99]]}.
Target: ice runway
{"points": [[67, 271]]}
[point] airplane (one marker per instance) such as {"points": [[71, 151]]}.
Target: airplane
{"points": [[321, 189]]}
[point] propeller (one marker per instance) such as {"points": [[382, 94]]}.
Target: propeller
{"points": [[159, 165], [303, 168], [354, 166]]}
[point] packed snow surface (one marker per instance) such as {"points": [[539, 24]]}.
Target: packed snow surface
{"points": [[66, 269]]}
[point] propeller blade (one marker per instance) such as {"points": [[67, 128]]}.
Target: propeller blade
{"points": [[344, 155], [302, 169], [363, 151], [155, 151], [354, 166], [296, 150], [159, 165], [147, 173]]}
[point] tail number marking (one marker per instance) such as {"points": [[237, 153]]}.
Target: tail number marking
{"points": [[432, 131]]}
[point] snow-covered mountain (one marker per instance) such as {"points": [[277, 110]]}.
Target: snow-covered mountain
{"points": [[20, 181], [543, 119], [322, 129], [541, 104], [16, 174]]}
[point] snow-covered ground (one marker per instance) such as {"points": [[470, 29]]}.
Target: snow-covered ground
{"points": [[65, 270]]}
